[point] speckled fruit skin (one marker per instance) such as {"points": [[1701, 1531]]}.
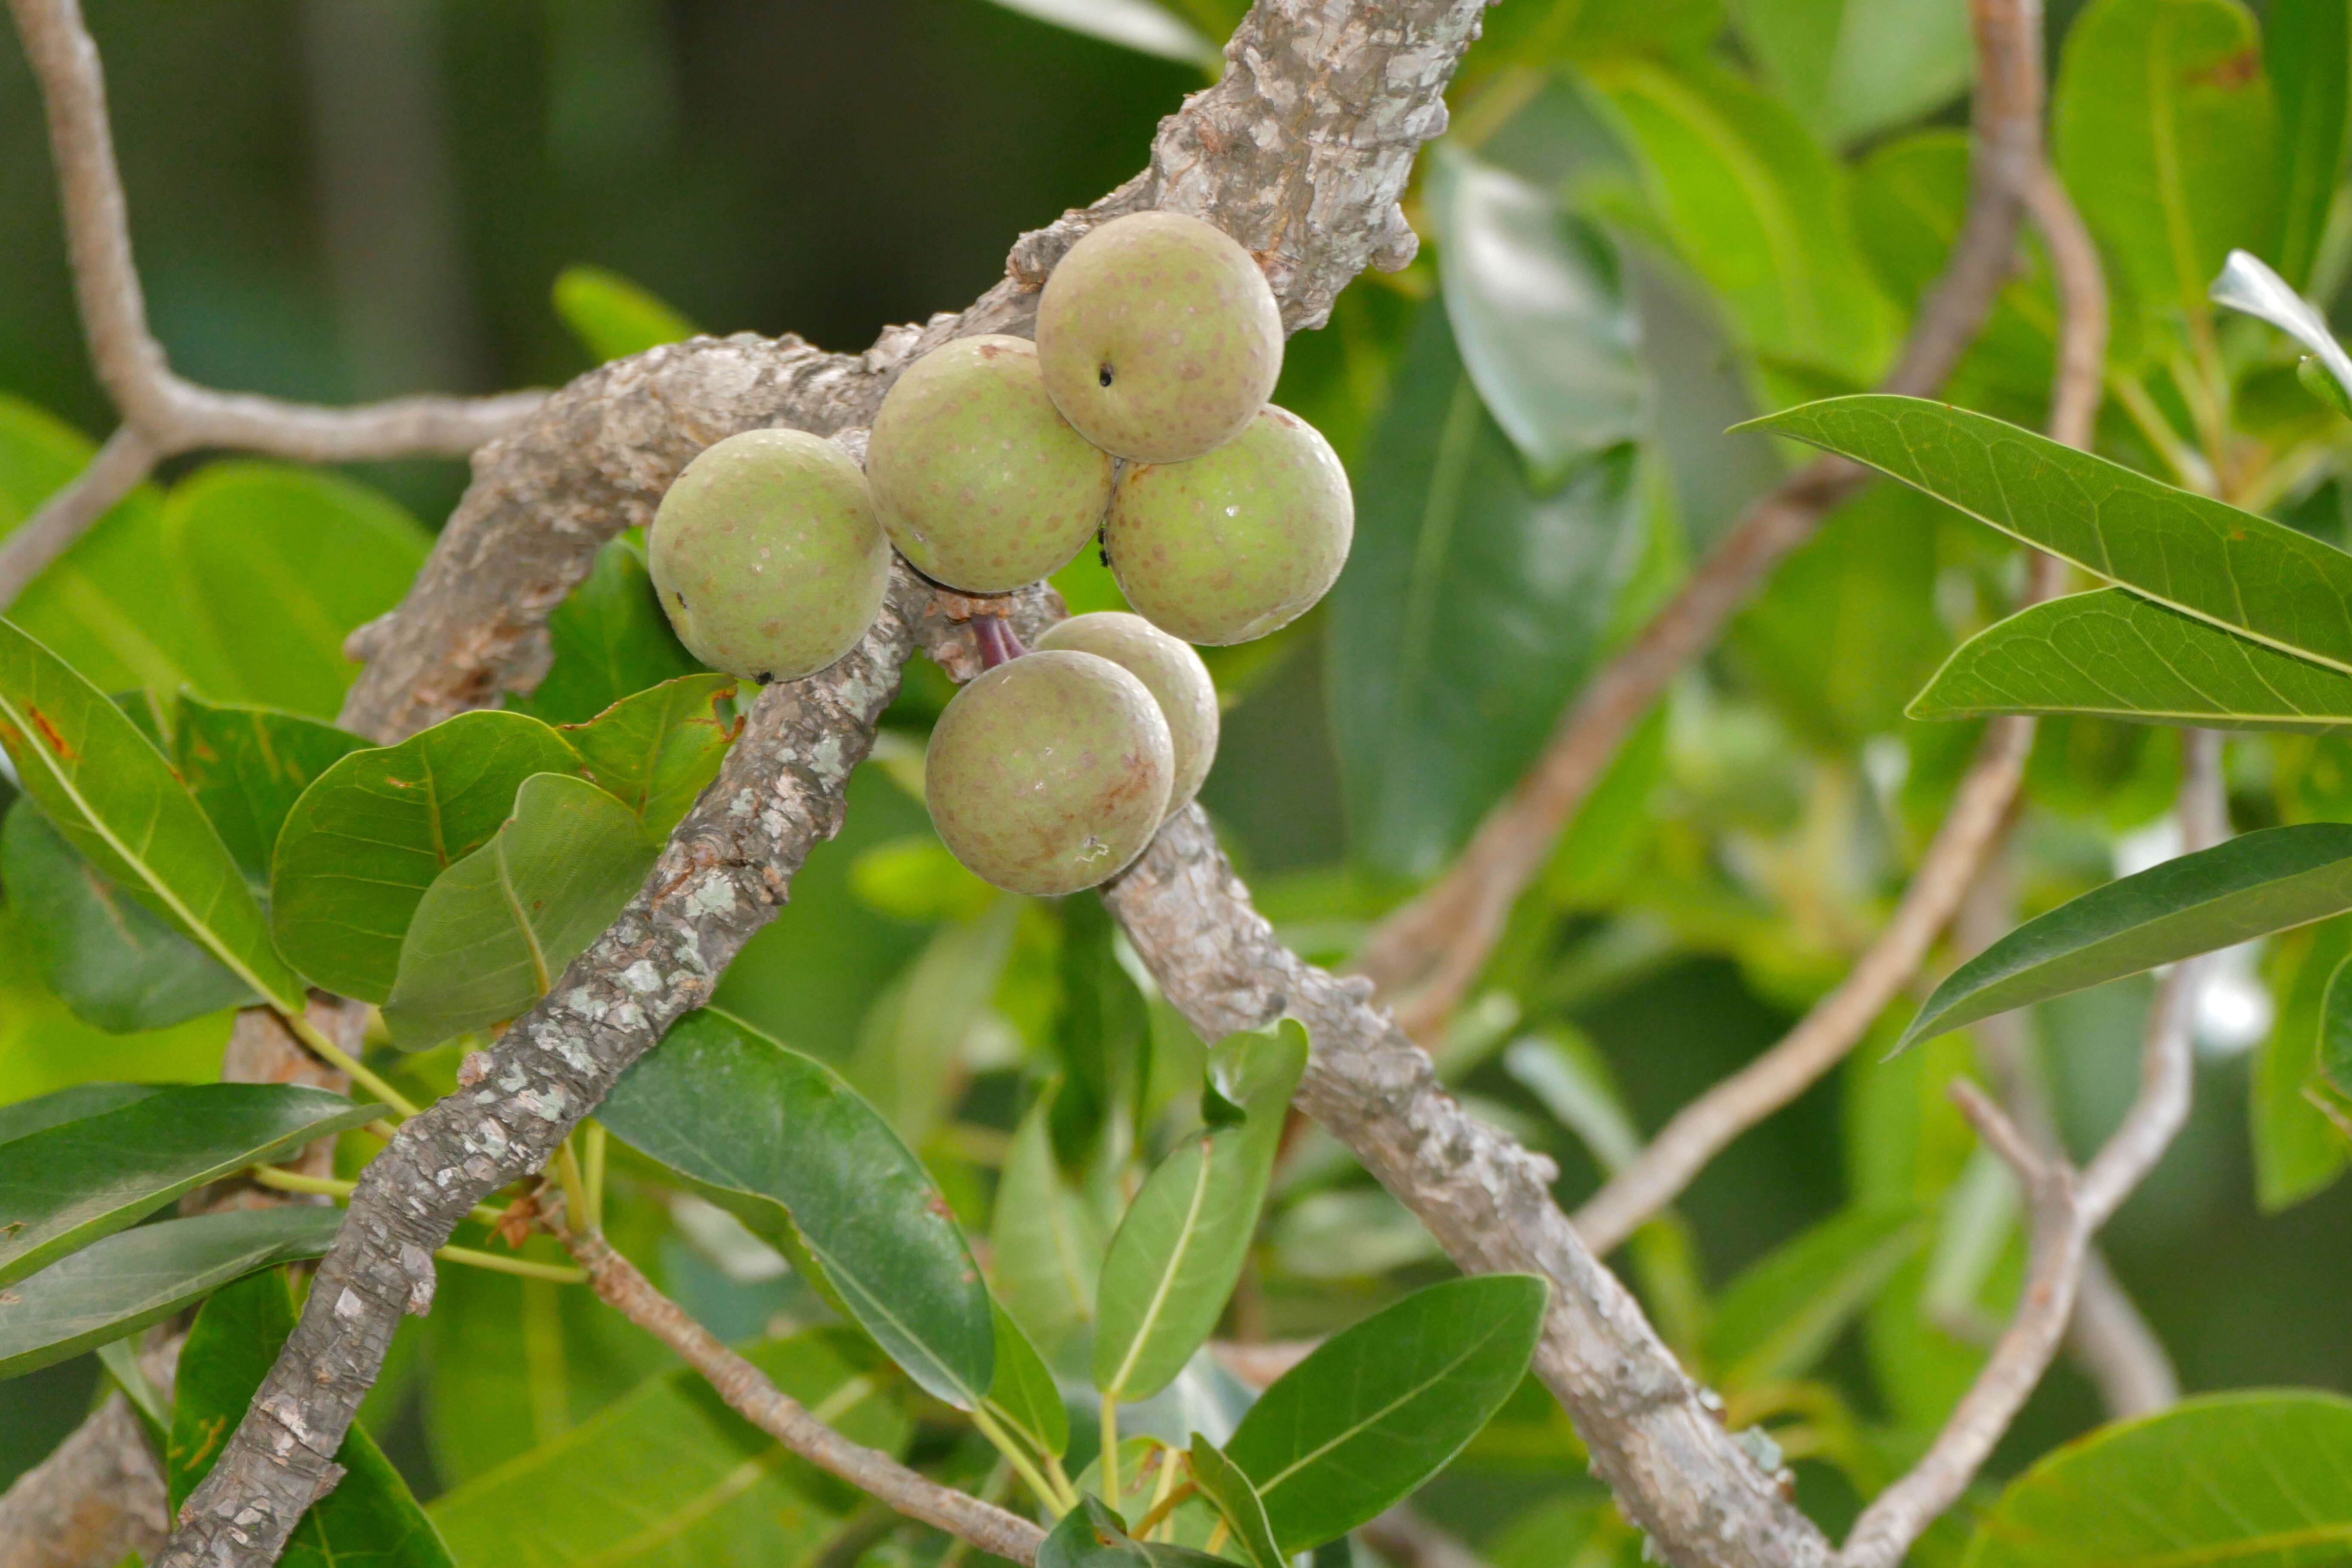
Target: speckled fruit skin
{"points": [[980, 482], [1238, 543], [1159, 337], [1049, 773], [768, 555], [1170, 670]]}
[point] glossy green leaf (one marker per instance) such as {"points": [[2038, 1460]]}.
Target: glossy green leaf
{"points": [[614, 318], [1472, 610], [27, 1117], [1046, 1246], [2238, 570], [2253, 1479], [134, 1278], [1380, 1408], [782, 1141], [1022, 1395], [248, 766], [610, 639], [1176, 1254], [656, 750], [66, 1186], [1779, 1317], [494, 930], [117, 963], [2251, 886], [373, 832], [669, 1477], [117, 801], [1755, 206], [369, 1517], [1094, 1536], [2307, 49], [907, 1062], [2163, 128], [1143, 25], [1539, 313], [2298, 1150], [2115, 654], [1855, 67], [1221, 1482]]}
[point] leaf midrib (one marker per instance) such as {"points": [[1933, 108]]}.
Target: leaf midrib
{"points": [[1185, 1235]]}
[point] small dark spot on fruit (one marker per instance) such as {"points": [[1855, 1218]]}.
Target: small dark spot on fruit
{"points": [[1103, 375], [681, 598], [764, 678]]}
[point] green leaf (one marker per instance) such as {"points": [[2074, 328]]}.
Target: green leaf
{"points": [[1045, 1246], [908, 1060], [1853, 68], [1540, 316], [115, 963], [1142, 26], [27, 1117], [787, 1146], [66, 1186], [1472, 610], [494, 930], [1022, 1393], [2163, 130], [1380, 1408], [248, 766], [2113, 654], [1180, 1249], [2247, 283], [117, 801], [2254, 1480], [369, 1517], [614, 318], [373, 832], [1093, 1536], [2251, 886], [2298, 1150], [609, 638], [657, 750], [669, 1477], [2231, 568], [2336, 1029], [2307, 49], [1221, 1482], [138, 1277], [1779, 1317]]}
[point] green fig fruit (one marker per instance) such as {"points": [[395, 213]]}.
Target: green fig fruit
{"points": [[980, 482], [768, 556], [1159, 337], [1170, 670], [1049, 773], [1232, 545]]}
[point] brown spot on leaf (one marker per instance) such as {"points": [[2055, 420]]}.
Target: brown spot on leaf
{"points": [[2237, 70], [50, 734]]}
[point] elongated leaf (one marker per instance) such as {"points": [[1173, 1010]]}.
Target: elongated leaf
{"points": [[371, 1515], [1023, 1394], [611, 640], [1471, 612], [27, 1117], [1094, 1536], [1782, 1316], [2307, 49], [1539, 314], [2253, 1479], [1379, 1409], [1221, 1482], [110, 959], [67, 1185], [1178, 1252], [614, 318], [2233, 892], [134, 1278], [2298, 1150], [2115, 654], [248, 766], [373, 832], [669, 1477], [1854, 67], [116, 800], [655, 751], [782, 1141], [494, 930], [2336, 1029], [1142, 26], [2199, 556], [1046, 1246], [908, 1060]]}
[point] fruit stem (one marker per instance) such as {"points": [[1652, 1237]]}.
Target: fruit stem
{"points": [[996, 640]]}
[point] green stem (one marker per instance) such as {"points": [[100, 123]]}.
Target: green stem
{"points": [[1021, 1462], [1170, 1499], [522, 1266], [1217, 1537], [327, 1050], [575, 1190], [1110, 1449], [278, 1179], [595, 1153]]}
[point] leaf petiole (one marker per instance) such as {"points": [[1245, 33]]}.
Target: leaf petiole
{"points": [[521, 1266], [1059, 1501], [310, 1034], [280, 1179]]}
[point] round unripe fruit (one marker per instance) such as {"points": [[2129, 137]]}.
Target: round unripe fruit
{"points": [[980, 482], [1159, 337], [768, 556], [1170, 670], [1234, 544], [1049, 773]]}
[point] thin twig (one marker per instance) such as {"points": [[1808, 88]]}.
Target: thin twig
{"points": [[1425, 955]]}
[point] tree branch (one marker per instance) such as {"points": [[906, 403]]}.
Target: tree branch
{"points": [[1426, 954]]}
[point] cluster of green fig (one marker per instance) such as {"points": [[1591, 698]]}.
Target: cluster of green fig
{"points": [[1137, 418]]}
